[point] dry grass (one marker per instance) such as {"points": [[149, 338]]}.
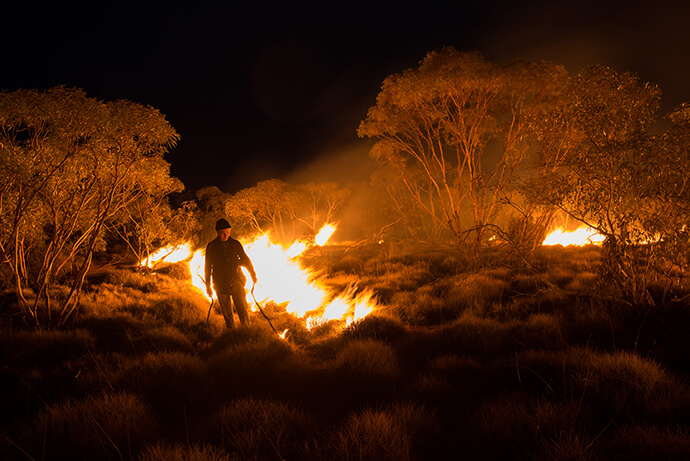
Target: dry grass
{"points": [[400, 432], [518, 426], [166, 451], [257, 429], [108, 426], [648, 442], [481, 361]]}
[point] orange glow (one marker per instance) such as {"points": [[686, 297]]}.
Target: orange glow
{"points": [[169, 255], [282, 280], [579, 237], [324, 234]]}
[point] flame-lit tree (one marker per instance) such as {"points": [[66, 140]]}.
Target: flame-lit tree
{"points": [[150, 222], [211, 202], [665, 187], [320, 203], [455, 130], [597, 160], [68, 165], [280, 207], [408, 214], [264, 206]]}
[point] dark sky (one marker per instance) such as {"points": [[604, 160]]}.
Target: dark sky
{"points": [[259, 90]]}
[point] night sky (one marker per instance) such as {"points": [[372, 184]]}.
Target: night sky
{"points": [[259, 90]]}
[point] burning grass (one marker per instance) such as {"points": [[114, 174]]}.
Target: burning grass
{"points": [[484, 362]]}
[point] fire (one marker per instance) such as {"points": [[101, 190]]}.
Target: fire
{"points": [[282, 280], [168, 254], [324, 234], [579, 237]]}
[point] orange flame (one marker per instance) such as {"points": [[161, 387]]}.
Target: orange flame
{"points": [[581, 236], [282, 280], [324, 234]]}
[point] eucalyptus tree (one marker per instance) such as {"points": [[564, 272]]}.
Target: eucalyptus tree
{"points": [[267, 206], [599, 164], [456, 132], [68, 165]]}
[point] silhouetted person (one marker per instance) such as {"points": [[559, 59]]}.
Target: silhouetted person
{"points": [[224, 257]]}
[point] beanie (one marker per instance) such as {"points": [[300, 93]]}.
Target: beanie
{"points": [[222, 224]]}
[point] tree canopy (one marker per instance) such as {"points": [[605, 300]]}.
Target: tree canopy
{"points": [[68, 165], [455, 130]]}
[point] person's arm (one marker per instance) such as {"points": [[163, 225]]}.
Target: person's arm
{"points": [[246, 262]]}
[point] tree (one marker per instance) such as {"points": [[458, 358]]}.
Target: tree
{"points": [[267, 206], [455, 130], [150, 222], [596, 159], [321, 201], [68, 165], [665, 187]]}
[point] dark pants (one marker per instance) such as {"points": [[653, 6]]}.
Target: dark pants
{"points": [[238, 297]]}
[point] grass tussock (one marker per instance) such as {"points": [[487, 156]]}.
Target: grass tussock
{"points": [[366, 359], [518, 425], [464, 359], [166, 451], [649, 442], [255, 429], [107, 426], [404, 431], [42, 348]]}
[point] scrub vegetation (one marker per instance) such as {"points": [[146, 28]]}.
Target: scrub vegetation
{"points": [[489, 361]]}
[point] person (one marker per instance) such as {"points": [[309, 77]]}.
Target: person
{"points": [[224, 258]]}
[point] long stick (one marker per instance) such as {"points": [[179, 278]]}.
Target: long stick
{"points": [[209, 310], [261, 310]]}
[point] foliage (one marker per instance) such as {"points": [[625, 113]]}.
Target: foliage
{"points": [[600, 165], [68, 165], [284, 208], [149, 222], [455, 131]]}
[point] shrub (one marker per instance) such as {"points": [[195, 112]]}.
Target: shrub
{"points": [[108, 426], [254, 429]]}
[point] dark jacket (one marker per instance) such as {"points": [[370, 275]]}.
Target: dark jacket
{"points": [[223, 261]]}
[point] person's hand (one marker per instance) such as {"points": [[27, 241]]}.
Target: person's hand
{"points": [[209, 290]]}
